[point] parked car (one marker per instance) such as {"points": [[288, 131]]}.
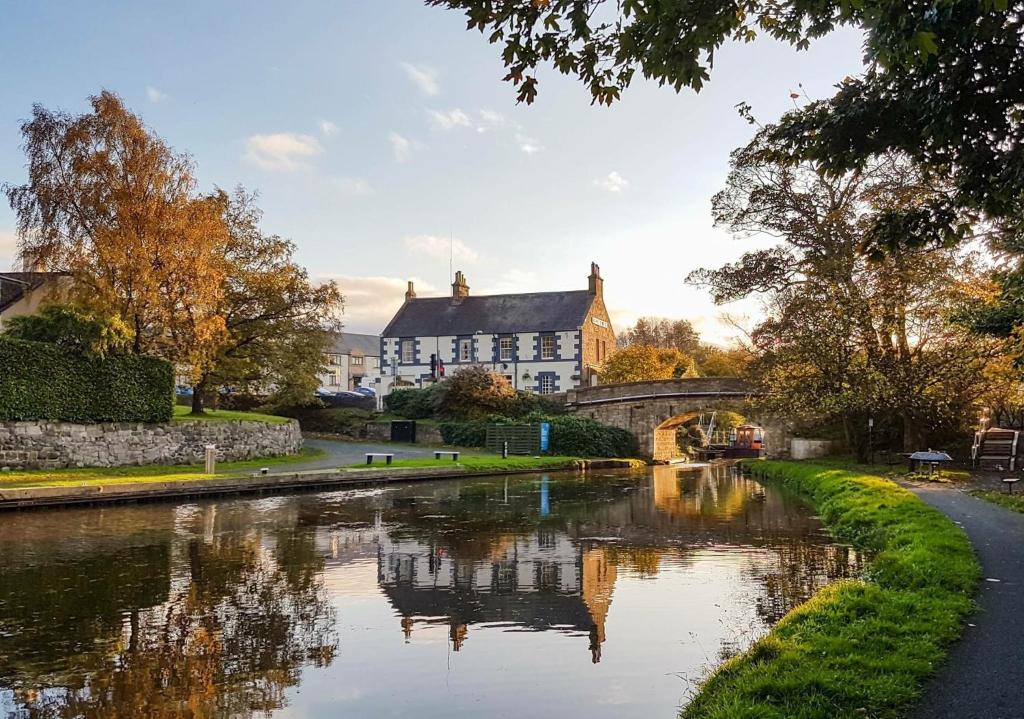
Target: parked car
{"points": [[366, 391], [183, 390]]}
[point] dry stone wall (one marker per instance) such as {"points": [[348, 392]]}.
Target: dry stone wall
{"points": [[50, 445]]}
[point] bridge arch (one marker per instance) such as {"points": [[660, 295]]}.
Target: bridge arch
{"points": [[652, 411]]}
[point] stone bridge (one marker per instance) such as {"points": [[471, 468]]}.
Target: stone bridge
{"points": [[653, 411]]}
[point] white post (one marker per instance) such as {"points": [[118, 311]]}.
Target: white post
{"points": [[211, 458]]}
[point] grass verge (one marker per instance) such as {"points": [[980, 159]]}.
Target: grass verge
{"points": [[183, 414], [1010, 501], [476, 463], [78, 477], [858, 648]]}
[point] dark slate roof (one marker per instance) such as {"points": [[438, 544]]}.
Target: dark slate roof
{"points": [[13, 285], [348, 342], [491, 314]]}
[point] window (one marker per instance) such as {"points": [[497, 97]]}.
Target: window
{"points": [[547, 347], [334, 360], [357, 360], [604, 350], [511, 380], [505, 349], [547, 384], [408, 351], [465, 350], [597, 349]]}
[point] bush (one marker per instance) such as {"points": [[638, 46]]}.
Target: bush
{"points": [[414, 403], [349, 421], [474, 393], [464, 434], [43, 381]]}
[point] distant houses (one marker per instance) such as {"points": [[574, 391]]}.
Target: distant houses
{"points": [[353, 360], [543, 342]]}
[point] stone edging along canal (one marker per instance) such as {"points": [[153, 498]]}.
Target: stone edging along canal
{"points": [[30, 497], [857, 648]]}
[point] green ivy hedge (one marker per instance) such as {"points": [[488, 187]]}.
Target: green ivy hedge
{"points": [[571, 436], [40, 381]]}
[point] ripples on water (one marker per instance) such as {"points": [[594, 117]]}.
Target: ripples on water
{"points": [[543, 595]]}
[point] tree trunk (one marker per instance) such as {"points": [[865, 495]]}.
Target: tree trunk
{"points": [[198, 390]]}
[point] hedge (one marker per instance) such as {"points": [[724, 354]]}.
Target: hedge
{"points": [[570, 436], [40, 381]]}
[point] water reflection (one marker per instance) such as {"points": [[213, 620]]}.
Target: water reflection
{"points": [[586, 592]]}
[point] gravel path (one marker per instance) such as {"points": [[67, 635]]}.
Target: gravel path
{"points": [[984, 677]]}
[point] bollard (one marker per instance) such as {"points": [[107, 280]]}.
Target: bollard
{"points": [[211, 458], [504, 449]]}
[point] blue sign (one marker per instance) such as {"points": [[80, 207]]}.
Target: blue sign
{"points": [[545, 436]]}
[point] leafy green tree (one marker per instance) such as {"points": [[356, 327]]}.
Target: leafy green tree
{"points": [[661, 332], [73, 329], [642, 362], [277, 322], [844, 337]]}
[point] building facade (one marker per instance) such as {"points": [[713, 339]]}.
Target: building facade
{"points": [[543, 342], [351, 359], [24, 293]]}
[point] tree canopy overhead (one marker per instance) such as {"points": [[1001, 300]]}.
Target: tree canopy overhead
{"points": [[944, 83]]}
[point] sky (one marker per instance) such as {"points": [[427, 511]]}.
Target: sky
{"points": [[383, 142]]}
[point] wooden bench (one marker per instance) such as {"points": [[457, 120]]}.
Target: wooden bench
{"points": [[439, 452], [370, 456]]}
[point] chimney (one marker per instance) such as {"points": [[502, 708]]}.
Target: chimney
{"points": [[460, 290], [410, 293], [594, 283]]}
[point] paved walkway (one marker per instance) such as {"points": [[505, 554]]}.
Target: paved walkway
{"points": [[984, 677]]}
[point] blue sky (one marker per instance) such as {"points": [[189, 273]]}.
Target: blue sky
{"points": [[377, 130]]}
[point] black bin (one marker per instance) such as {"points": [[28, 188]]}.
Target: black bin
{"points": [[403, 431]]}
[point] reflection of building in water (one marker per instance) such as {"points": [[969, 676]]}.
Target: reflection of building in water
{"points": [[540, 581]]}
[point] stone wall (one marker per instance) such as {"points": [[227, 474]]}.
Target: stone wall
{"points": [[48, 445]]}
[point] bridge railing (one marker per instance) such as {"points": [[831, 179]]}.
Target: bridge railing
{"points": [[692, 387]]}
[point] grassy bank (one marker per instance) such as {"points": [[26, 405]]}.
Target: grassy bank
{"points": [[1013, 501], [476, 463], [858, 648], [183, 414], [149, 473]]}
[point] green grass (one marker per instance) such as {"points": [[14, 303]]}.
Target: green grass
{"points": [[151, 473], [858, 648], [476, 463], [183, 414], [1013, 501]]}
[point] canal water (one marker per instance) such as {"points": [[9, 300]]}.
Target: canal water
{"points": [[559, 595]]}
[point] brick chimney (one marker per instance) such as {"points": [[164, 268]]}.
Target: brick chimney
{"points": [[460, 290], [410, 293], [594, 283]]}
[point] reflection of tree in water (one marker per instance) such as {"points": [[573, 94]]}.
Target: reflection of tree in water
{"points": [[240, 622], [797, 571]]}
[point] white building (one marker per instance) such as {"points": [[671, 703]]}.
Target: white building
{"points": [[542, 342], [350, 360]]}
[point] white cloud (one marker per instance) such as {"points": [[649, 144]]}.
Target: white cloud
{"points": [[423, 77], [327, 128], [156, 95], [352, 186], [401, 147], [490, 119], [371, 302], [441, 247], [448, 120], [282, 150], [528, 144], [614, 182]]}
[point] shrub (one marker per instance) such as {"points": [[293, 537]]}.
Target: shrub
{"points": [[464, 434], [414, 403], [474, 393], [43, 381], [72, 329]]}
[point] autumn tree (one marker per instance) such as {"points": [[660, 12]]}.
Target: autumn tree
{"points": [[277, 322], [475, 392], [109, 202], [843, 337], [641, 362], [662, 332]]}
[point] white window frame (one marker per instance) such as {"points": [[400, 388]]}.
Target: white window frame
{"points": [[407, 351], [548, 347], [547, 384], [505, 349], [465, 350]]}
